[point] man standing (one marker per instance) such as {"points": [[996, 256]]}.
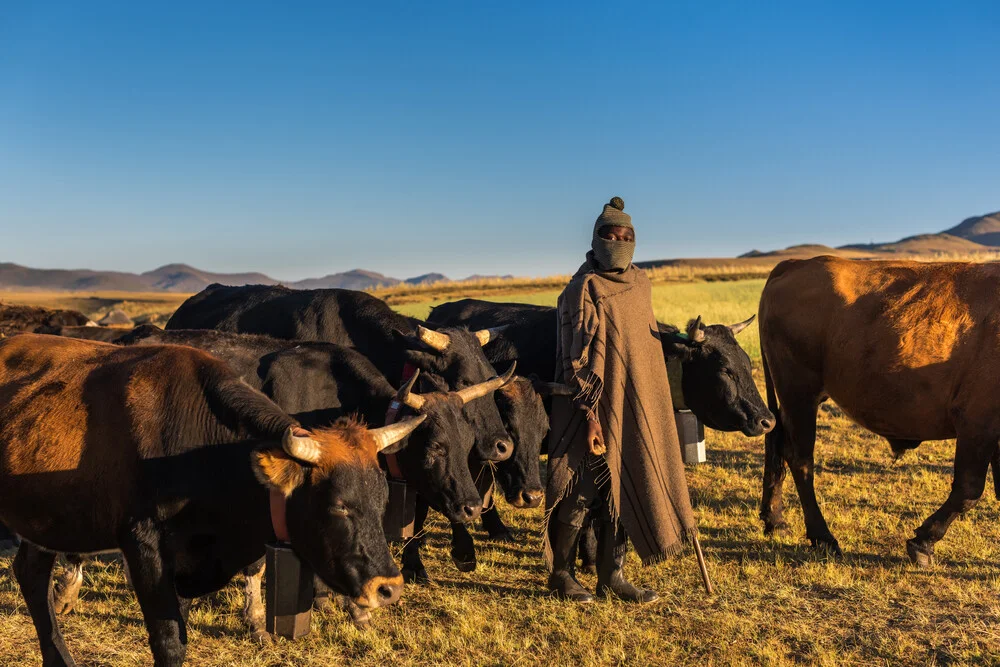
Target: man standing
{"points": [[613, 446]]}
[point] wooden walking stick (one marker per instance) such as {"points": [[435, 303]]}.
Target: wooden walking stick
{"points": [[701, 564]]}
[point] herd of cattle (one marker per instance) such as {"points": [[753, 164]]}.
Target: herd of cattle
{"points": [[189, 449]]}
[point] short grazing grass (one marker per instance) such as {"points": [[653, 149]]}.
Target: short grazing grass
{"points": [[777, 602]]}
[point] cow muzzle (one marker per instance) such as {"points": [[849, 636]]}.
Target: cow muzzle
{"points": [[380, 592], [526, 499]]}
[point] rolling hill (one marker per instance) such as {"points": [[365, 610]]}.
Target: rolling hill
{"points": [[977, 234]]}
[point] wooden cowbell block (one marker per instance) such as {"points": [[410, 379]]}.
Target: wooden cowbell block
{"points": [[399, 513], [289, 596], [691, 433]]}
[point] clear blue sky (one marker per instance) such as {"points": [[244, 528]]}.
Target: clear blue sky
{"points": [[301, 140]]}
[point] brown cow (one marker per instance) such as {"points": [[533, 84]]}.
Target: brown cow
{"points": [[164, 453], [909, 350]]}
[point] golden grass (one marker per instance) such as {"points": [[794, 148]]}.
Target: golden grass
{"points": [[776, 601]]}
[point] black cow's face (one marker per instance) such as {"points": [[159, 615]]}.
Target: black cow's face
{"points": [[335, 522], [461, 363], [335, 497], [717, 382], [436, 461], [526, 420]]}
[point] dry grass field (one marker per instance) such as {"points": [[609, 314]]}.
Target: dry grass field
{"points": [[157, 305], [776, 601]]}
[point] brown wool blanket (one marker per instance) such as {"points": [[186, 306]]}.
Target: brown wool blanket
{"points": [[609, 351]]}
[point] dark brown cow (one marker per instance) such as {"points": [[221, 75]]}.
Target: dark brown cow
{"points": [[164, 453], [28, 319], [909, 350]]}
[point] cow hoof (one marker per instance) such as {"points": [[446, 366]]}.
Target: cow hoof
{"points": [[262, 637], [464, 565], [828, 547], [778, 529], [63, 606], [361, 618], [418, 577], [324, 604], [920, 556]]}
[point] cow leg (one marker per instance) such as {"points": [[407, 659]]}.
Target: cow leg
{"points": [[798, 419], [33, 571], [253, 605], [413, 567], [66, 592], [463, 548], [972, 459], [772, 506], [153, 581], [588, 546], [494, 526]]}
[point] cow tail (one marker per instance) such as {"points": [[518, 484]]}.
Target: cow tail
{"points": [[774, 442], [996, 471]]}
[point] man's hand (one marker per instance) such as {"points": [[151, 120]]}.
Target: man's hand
{"points": [[595, 439]]}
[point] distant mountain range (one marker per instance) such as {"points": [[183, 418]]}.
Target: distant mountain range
{"points": [[183, 278], [976, 234], [979, 233]]}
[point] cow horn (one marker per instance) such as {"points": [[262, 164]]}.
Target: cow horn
{"points": [[387, 436], [484, 336], [695, 332], [408, 397], [736, 328], [434, 339], [552, 388], [488, 387], [301, 447]]}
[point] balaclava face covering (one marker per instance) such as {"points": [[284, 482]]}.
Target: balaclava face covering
{"points": [[613, 255]]}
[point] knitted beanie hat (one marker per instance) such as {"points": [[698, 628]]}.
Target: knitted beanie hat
{"points": [[614, 214]]}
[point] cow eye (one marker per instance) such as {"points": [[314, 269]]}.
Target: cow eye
{"points": [[339, 509]]}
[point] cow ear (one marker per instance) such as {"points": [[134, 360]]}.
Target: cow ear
{"points": [[675, 346], [277, 470]]}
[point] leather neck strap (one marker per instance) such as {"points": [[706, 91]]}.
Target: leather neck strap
{"points": [[391, 415], [279, 517]]}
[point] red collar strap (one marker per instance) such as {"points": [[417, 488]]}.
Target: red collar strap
{"points": [[391, 415], [279, 516]]}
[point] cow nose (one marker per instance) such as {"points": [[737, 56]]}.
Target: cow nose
{"points": [[471, 512], [531, 497], [388, 593], [767, 424], [504, 449]]}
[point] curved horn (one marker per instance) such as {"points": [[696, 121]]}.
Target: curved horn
{"points": [[736, 328], [390, 435], [301, 447], [408, 397], [434, 339], [488, 387], [484, 336], [694, 331]]}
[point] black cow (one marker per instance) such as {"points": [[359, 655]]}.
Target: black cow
{"points": [[104, 334], [358, 320], [164, 453], [716, 381]]}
